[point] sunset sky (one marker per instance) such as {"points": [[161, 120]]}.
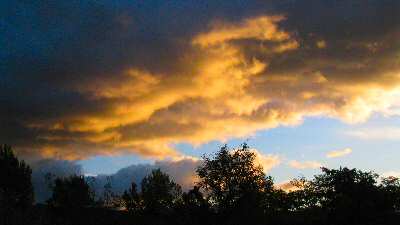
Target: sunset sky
{"points": [[109, 84]]}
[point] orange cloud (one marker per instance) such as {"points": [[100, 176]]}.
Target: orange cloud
{"points": [[268, 161], [232, 81], [287, 186], [263, 28]]}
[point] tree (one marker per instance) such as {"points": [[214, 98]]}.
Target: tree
{"points": [[347, 196], [390, 187], [232, 176], [131, 199], [16, 190], [71, 191], [159, 192], [194, 198], [194, 208], [305, 197]]}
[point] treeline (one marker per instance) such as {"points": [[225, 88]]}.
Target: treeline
{"points": [[232, 189]]}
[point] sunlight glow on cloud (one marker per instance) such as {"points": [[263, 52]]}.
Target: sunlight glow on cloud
{"points": [[263, 28], [267, 161], [339, 153], [391, 174], [286, 186], [229, 79]]}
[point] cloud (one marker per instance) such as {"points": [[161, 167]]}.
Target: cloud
{"points": [[125, 79], [391, 174], [339, 153], [182, 171], [304, 165], [376, 133], [263, 28], [267, 161], [286, 186]]}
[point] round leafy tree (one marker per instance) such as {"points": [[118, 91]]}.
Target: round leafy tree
{"points": [[232, 177]]}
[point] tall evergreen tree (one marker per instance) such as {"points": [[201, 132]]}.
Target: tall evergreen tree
{"points": [[16, 190]]}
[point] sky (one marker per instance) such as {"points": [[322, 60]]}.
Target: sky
{"points": [[104, 85]]}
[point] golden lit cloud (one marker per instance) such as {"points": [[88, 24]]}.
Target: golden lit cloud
{"points": [[339, 153], [262, 28], [267, 161], [232, 80], [287, 186]]}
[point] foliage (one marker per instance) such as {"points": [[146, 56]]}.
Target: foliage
{"points": [[71, 191], [390, 187], [345, 195], [194, 198], [159, 192], [232, 189], [16, 189], [232, 177], [132, 201]]}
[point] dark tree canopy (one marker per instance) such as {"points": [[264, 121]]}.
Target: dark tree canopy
{"points": [[132, 200], [71, 191], [159, 192], [345, 195], [16, 189], [194, 198], [232, 176], [390, 187], [233, 189], [347, 189]]}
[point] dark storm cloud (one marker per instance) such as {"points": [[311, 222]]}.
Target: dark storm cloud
{"points": [[80, 78]]}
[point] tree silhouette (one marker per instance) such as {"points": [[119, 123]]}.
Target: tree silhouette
{"points": [[132, 201], [194, 198], [159, 192], [231, 175], [194, 208], [346, 195], [235, 184], [71, 191], [16, 189], [306, 196], [390, 187]]}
